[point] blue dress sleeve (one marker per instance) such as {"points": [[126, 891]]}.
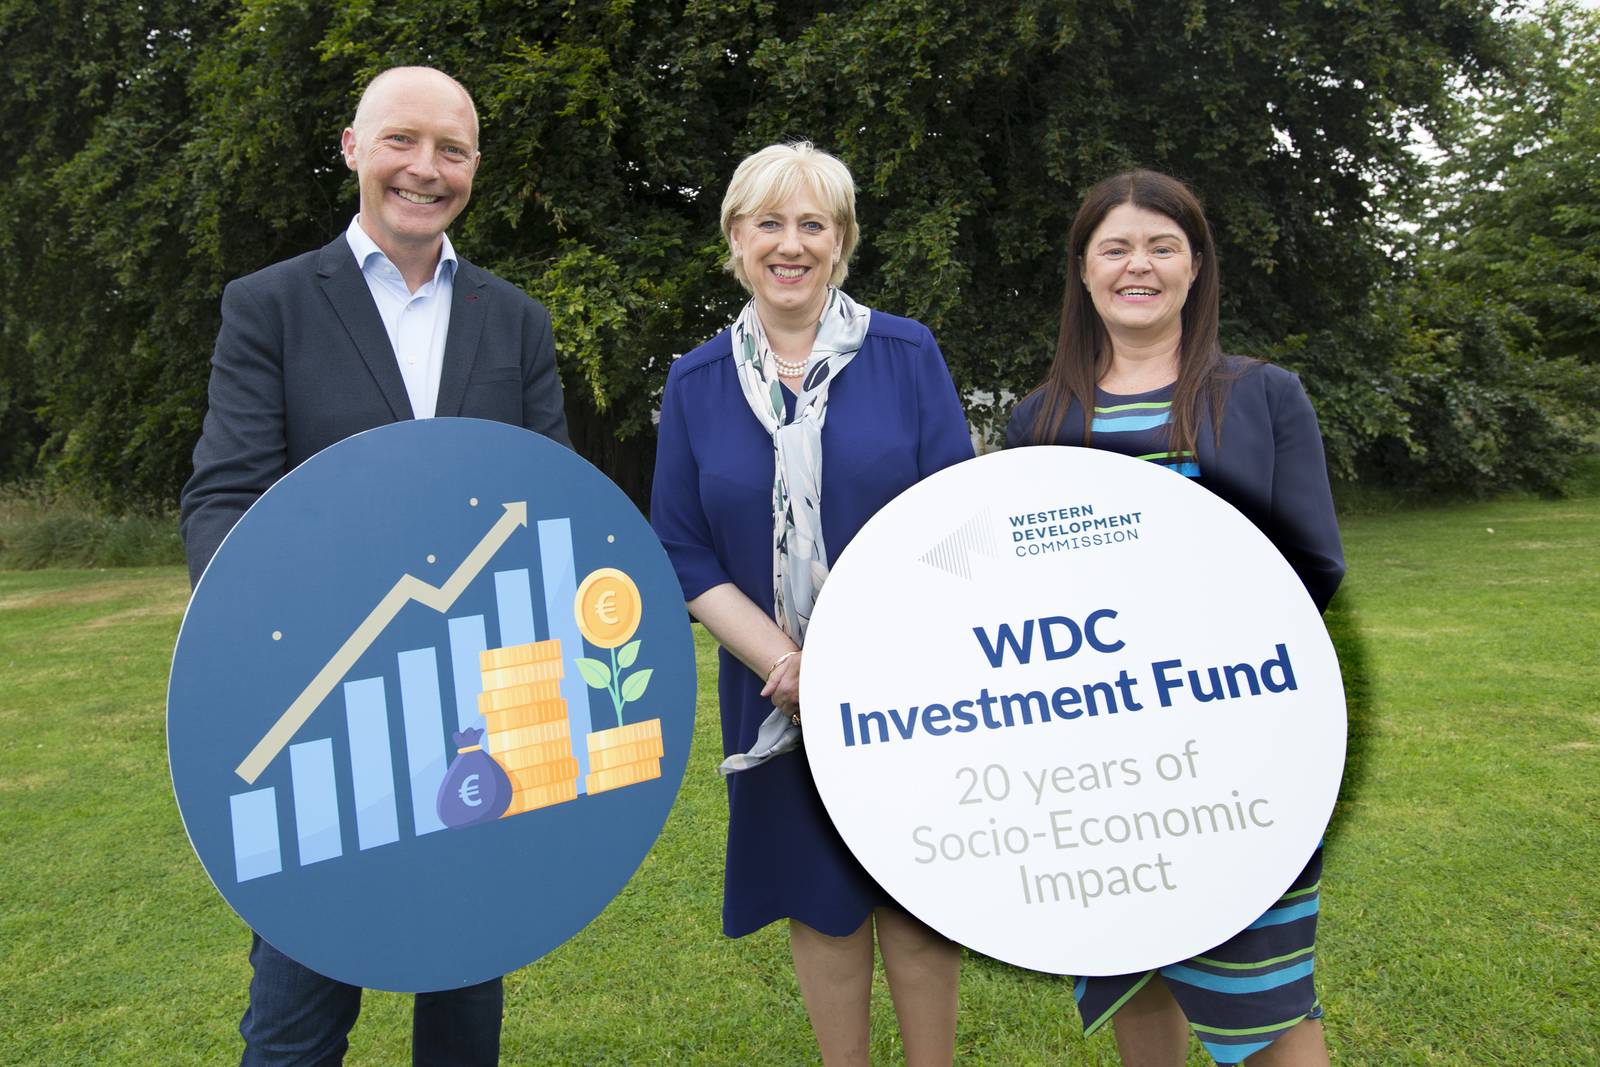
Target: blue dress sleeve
{"points": [[676, 513], [943, 438], [1303, 525]]}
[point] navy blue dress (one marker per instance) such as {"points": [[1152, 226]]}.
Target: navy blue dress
{"points": [[893, 419]]}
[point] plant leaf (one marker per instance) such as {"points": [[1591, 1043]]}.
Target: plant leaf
{"points": [[628, 653], [594, 672], [633, 688]]}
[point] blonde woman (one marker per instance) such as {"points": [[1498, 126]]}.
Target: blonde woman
{"points": [[779, 439]]}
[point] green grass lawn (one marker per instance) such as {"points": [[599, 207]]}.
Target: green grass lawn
{"points": [[1461, 922]]}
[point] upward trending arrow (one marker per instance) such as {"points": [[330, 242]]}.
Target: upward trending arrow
{"points": [[407, 589]]}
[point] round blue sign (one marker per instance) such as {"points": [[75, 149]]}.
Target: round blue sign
{"points": [[430, 704]]}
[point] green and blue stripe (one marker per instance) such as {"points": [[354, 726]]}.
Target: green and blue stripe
{"points": [[1242, 995], [1139, 429]]}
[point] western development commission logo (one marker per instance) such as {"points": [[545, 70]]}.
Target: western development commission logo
{"points": [[1068, 528], [953, 553]]}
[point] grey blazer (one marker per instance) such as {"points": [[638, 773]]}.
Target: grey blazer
{"points": [[302, 361]]}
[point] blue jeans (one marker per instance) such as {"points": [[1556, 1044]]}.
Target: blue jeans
{"points": [[298, 1018]]}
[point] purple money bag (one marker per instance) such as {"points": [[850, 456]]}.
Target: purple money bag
{"points": [[475, 788]]}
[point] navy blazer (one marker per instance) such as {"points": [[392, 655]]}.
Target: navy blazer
{"points": [[1269, 464], [302, 361]]}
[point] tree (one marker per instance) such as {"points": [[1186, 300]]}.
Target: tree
{"points": [[118, 234], [1520, 221], [1493, 326], [206, 148]]}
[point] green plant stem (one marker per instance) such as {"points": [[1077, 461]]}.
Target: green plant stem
{"points": [[615, 689]]}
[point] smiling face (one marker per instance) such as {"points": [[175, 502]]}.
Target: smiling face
{"points": [[788, 252], [414, 148], [1137, 267]]}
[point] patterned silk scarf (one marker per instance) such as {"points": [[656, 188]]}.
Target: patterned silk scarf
{"points": [[799, 557]]}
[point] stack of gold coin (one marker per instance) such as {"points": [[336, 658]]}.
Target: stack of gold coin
{"points": [[624, 755], [528, 734]]}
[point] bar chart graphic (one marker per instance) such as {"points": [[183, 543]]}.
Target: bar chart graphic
{"points": [[387, 639], [421, 704]]}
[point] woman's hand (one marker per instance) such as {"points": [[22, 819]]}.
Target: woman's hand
{"points": [[783, 684], [751, 635]]}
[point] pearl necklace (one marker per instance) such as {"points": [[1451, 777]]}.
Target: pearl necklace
{"points": [[787, 369]]}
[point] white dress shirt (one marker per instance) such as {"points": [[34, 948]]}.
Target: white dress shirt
{"points": [[417, 323]]}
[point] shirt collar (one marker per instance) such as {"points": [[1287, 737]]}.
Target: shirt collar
{"points": [[365, 248]]}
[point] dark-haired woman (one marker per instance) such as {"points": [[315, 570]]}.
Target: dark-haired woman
{"points": [[1138, 370]]}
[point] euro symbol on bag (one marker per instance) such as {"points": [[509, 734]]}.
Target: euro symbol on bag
{"points": [[475, 788]]}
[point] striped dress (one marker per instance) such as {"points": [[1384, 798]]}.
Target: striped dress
{"points": [[1137, 426], [1256, 986]]}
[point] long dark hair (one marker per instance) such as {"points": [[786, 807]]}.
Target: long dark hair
{"points": [[1083, 348]]}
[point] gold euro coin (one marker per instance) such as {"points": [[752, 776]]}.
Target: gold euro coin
{"points": [[541, 797], [518, 695], [607, 758], [565, 770], [625, 735], [536, 714], [607, 607], [529, 735], [538, 651], [515, 759], [617, 777], [522, 674]]}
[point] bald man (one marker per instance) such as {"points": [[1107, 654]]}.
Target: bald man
{"points": [[384, 323]]}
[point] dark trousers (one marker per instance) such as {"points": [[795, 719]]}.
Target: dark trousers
{"points": [[298, 1018]]}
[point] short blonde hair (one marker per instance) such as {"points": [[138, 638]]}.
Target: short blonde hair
{"points": [[778, 172]]}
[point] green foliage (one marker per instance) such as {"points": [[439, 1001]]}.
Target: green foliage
{"points": [[165, 148], [1483, 412], [1519, 212], [123, 219], [1489, 339], [46, 530], [1441, 391]]}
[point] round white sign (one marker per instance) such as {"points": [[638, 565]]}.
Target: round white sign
{"points": [[1073, 711]]}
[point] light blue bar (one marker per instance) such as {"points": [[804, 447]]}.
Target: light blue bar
{"points": [[419, 700], [560, 588], [255, 833], [514, 601], [1276, 916], [316, 801], [1113, 424], [466, 645], [1228, 983], [366, 713], [1233, 1053]]}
